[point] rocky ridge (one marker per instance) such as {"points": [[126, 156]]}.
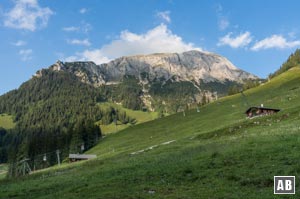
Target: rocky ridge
{"points": [[209, 73]]}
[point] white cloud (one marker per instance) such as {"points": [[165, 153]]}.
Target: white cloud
{"points": [[84, 42], [19, 43], [26, 54], [71, 29], [292, 35], [164, 15], [223, 21], [84, 27], [27, 15], [82, 10], [157, 40], [73, 58], [275, 41], [89, 55], [241, 40]]}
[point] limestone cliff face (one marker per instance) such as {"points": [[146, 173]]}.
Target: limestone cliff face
{"points": [[193, 66], [187, 66]]}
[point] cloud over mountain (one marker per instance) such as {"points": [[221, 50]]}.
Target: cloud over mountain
{"points": [[157, 40], [242, 40], [275, 41]]}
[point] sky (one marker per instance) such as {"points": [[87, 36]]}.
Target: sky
{"points": [[256, 36]]}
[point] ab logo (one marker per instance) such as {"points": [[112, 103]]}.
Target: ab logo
{"points": [[284, 184]]}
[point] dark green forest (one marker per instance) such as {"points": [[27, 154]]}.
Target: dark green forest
{"points": [[292, 61], [57, 111], [54, 111], [127, 92], [237, 88], [172, 96]]}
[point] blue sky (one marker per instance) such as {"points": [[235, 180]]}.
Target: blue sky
{"points": [[256, 36]]}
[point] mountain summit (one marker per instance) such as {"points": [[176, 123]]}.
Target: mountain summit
{"points": [[160, 77], [187, 66]]}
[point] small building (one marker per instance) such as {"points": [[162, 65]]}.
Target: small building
{"points": [[260, 111], [79, 157]]}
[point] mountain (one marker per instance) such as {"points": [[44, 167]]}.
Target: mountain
{"points": [[60, 107], [214, 153], [159, 78], [188, 66]]}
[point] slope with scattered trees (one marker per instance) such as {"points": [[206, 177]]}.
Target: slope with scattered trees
{"points": [[292, 61]]}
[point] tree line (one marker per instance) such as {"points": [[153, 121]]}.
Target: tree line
{"points": [[292, 61]]}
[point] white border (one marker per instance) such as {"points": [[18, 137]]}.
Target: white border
{"points": [[285, 193]]}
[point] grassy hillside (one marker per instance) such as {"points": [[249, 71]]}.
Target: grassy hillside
{"points": [[6, 121], [214, 153]]}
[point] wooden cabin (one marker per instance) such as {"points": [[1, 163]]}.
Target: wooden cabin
{"points": [[260, 111], [79, 157]]}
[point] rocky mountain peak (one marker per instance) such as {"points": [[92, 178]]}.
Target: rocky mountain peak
{"points": [[160, 77], [188, 66], [196, 66]]}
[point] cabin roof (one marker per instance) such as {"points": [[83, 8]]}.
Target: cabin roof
{"points": [[81, 156], [261, 108]]}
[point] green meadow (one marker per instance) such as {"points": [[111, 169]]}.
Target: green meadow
{"points": [[214, 153]]}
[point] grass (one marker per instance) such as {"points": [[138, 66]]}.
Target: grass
{"points": [[3, 170], [216, 153], [140, 117], [6, 121]]}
